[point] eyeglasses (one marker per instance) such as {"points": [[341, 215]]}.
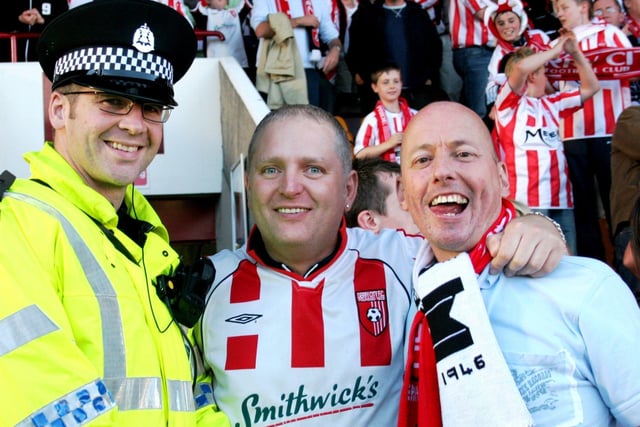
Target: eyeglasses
{"points": [[600, 12], [122, 106]]}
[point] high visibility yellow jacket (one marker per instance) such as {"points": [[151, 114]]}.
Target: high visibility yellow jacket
{"points": [[84, 339]]}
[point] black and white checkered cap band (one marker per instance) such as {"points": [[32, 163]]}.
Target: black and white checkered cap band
{"points": [[113, 58]]}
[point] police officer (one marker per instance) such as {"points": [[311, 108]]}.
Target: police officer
{"points": [[84, 337]]}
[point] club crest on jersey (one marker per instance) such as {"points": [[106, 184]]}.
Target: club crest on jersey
{"points": [[372, 310], [143, 39]]}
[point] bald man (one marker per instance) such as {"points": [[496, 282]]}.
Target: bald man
{"points": [[556, 334]]}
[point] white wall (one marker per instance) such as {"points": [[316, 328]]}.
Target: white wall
{"points": [[21, 114]]}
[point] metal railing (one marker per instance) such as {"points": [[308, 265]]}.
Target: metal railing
{"points": [[13, 40], [14, 36]]}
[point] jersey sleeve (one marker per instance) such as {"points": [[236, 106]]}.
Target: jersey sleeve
{"points": [[261, 9], [367, 135], [328, 30]]}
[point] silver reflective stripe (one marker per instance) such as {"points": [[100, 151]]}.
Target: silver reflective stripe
{"points": [[180, 396], [146, 393], [130, 393], [112, 334], [136, 393], [203, 395], [15, 333], [74, 409]]}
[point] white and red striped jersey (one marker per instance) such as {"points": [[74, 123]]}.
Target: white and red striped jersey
{"points": [[599, 115], [369, 132], [530, 145], [465, 29], [321, 350]]}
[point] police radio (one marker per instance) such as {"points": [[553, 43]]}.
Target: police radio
{"points": [[185, 291]]}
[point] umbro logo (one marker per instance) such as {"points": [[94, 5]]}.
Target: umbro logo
{"points": [[243, 319]]}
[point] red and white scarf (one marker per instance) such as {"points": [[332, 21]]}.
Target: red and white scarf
{"points": [[534, 43], [479, 254], [335, 13], [429, 386], [384, 129], [283, 7]]}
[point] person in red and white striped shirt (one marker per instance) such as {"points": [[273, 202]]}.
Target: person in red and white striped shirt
{"points": [[611, 11], [381, 131], [379, 200], [509, 23], [632, 25], [587, 133], [472, 45], [527, 125], [632, 30]]}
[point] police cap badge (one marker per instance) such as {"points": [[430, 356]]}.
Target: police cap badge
{"points": [[134, 48]]}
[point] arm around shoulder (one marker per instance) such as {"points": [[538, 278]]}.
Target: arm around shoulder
{"points": [[531, 245]]}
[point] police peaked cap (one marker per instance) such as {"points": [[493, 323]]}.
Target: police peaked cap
{"points": [[133, 48]]}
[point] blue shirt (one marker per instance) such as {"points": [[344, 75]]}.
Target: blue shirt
{"points": [[572, 342]]}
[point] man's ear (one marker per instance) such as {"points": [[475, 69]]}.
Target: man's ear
{"points": [[368, 221], [58, 106], [247, 189], [351, 188], [504, 179], [401, 196]]}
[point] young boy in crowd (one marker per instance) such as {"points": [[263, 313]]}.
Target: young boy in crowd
{"points": [[223, 17], [527, 126], [379, 198], [381, 131]]}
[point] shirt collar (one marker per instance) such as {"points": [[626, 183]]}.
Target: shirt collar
{"points": [[257, 249]]}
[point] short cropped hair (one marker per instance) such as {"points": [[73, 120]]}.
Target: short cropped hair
{"points": [[579, 2], [372, 193], [516, 57], [341, 142], [375, 75]]}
